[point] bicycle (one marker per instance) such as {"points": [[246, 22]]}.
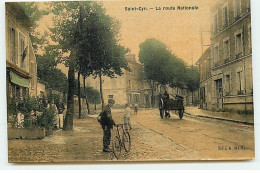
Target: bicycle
{"points": [[121, 140]]}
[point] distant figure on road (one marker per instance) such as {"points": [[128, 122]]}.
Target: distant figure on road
{"points": [[107, 123], [135, 108], [127, 115], [166, 96]]}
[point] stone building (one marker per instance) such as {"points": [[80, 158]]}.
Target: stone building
{"points": [[128, 88], [205, 80], [230, 86], [21, 79]]}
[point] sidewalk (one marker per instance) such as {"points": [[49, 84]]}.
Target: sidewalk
{"points": [[226, 116]]}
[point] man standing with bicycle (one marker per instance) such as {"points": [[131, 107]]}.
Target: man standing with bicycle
{"points": [[107, 124]]}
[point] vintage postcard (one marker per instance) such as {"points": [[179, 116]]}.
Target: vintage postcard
{"points": [[129, 80]]}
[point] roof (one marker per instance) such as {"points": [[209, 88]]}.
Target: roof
{"points": [[130, 57], [217, 5], [19, 14], [205, 55]]}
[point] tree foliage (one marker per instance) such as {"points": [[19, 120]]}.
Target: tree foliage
{"points": [[32, 11], [48, 72], [164, 68], [93, 94], [192, 78], [160, 65], [98, 50]]}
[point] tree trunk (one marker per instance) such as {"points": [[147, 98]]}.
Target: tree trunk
{"points": [[85, 92], [152, 100], [101, 91], [79, 100], [192, 98], [68, 122]]}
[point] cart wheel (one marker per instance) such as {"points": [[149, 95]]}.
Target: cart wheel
{"points": [[161, 113], [181, 113]]}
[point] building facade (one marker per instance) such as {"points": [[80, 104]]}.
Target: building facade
{"points": [[205, 80], [229, 86], [129, 88], [21, 71]]}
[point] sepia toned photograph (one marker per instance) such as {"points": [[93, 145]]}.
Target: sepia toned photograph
{"points": [[129, 80]]}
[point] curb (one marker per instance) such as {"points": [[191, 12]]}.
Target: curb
{"points": [[222, 119]]}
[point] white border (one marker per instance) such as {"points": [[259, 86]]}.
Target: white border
{"points": [[242, 165]]}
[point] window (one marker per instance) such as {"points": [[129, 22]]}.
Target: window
{"points": [[12, 45], [129, 83], [227, 86], [248, 6], [225, 17], [13, 90], [240, 82], [237, 9], [110, 96], [215, 24], [239, 44], [18, 93], [218, 88], [216, 55], [250, 80], [32, 74], [22, 50], [226, 50], [24, 92], [249, 38]]}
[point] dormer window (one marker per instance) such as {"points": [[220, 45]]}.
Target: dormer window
{"points": [[215, 24], [237, 9], [225, 16]]}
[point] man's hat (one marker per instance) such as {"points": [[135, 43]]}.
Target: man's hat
{"points": [[111, 101]]}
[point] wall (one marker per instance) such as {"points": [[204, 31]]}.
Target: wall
{"points": [[234, 70]]}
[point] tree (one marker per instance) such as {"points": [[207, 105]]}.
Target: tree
{"points": [[192, 79], [48, 72], [101, 46], [93, 95], [67, 34], [160, 66], [32, 11]]}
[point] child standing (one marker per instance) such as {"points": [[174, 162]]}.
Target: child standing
{"points": [[127, 116]]}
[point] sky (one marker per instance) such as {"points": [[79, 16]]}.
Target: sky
{"points": [[179, 30]]}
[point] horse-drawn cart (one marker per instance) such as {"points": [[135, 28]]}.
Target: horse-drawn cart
{"points": [[171, 104]]}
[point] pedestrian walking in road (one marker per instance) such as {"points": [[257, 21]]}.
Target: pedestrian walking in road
{"points": [[135, 108], [127, 115], [107, 123]]}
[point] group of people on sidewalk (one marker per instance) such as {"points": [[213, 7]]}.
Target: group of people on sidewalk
{"points": [[58, 110], [106, 121]]}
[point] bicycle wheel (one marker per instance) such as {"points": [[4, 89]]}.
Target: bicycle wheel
{"points": [[126, 141], [116, 147]]}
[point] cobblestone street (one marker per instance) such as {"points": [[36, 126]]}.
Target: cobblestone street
{"points": [[152, 139]]}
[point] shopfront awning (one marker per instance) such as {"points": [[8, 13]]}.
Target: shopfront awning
{"points": [[18, 80]]}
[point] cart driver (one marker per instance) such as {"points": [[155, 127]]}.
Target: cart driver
{"points": [[166, 96]]}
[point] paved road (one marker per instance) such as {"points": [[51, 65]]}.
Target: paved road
{"points": [[152, 139], [212, 139]]}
